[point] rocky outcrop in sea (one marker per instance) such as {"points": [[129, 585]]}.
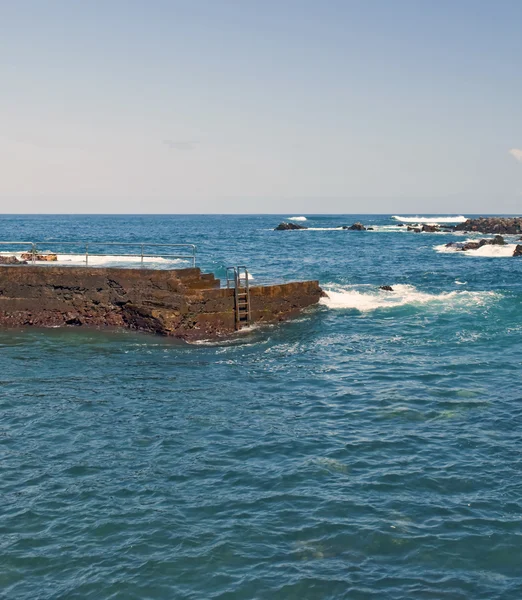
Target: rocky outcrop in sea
{"points": [[500, 225], [356, 227], [289, 227], [498, 240]]}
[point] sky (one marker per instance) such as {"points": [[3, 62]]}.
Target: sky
{"points": [[260, 106]]}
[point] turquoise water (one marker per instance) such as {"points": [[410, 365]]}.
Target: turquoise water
{"points": [[368, 449]]}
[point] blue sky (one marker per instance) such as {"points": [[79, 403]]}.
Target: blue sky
{"points": [[249, 106]]}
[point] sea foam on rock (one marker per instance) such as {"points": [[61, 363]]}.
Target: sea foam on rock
{"points": [[498, 240]]}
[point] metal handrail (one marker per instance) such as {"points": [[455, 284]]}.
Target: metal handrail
{"points": [[238, 277], [189, 248]]}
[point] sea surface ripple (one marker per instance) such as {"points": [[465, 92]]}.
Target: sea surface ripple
{"points": [[368, 449]]}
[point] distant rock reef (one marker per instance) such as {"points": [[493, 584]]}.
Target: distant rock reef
{"points": [[499, 225]]}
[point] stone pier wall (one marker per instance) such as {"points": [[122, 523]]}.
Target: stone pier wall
{"points": [[184, 303]]}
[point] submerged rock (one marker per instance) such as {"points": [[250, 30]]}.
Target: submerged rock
{"points": [[386, 288], [288, 227], [11, 260]]}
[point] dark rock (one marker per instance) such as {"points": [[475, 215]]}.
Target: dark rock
{"points": [[386, 288], [500, 225], [415, 229], [357, 227], [289, 227], [518, 250], [400, 225], [430, 228], [11, 260], [498, 240], [370, 229]]}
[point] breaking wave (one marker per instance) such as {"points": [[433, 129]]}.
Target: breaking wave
{"points": [[102, 261], [364, 300], [459, 219], [487, 251], [297, 218]]}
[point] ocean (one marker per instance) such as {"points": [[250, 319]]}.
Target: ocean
{"points": [[367, 449]]}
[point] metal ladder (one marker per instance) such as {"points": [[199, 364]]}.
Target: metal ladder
{"points": [[237, 278]]}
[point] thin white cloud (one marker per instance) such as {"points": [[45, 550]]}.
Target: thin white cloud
{"points": [[516, 153]]}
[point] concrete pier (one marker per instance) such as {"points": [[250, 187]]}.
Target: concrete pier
{"points": [[182, 303]]}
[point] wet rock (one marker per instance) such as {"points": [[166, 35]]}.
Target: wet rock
{"points": [[499, 225], [11, 260], [386, 288], [400, 225], [370, 229], [498, 240], [518, 250], [357, 227], [289, 227], [431, 228]]}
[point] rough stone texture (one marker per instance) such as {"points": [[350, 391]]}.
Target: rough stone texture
{"points": [[518, 250], [500, 225], [183, 303]]}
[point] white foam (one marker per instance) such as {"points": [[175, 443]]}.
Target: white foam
{"points": [[297, 218], [487, 251], [364, 300], [430, 220], [315, 229], [324, 229], [79, 260]]}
